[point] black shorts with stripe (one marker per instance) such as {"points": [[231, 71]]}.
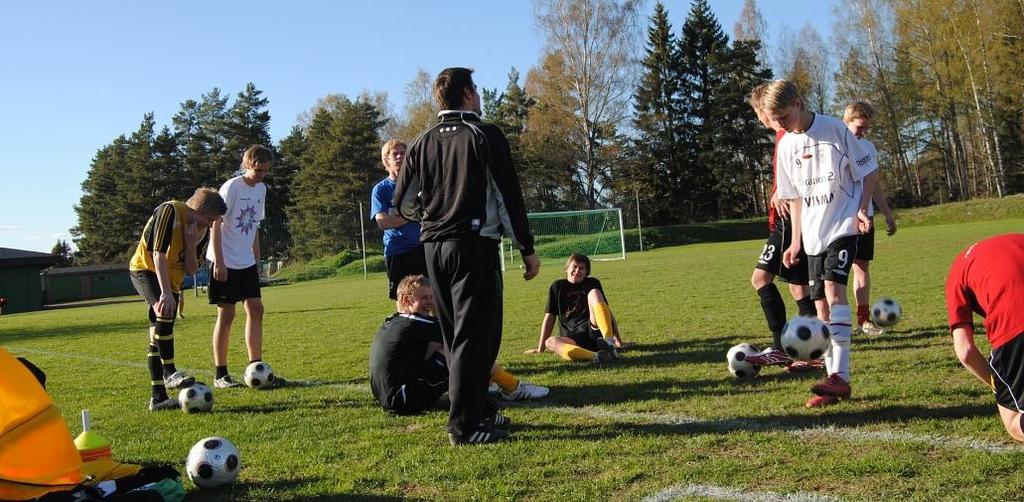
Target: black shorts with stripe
{"points": [[422, 391], [833, 265], [148, 286], [1007, 365], [866, 244], [770, 259]]}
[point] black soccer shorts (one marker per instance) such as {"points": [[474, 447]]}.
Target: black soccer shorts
{"points": [[241, 284], [833, 265], [770, 259], [1007, 365]]}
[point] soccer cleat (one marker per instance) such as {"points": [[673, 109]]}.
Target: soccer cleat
{"points": [[605, 356], [276, 382], [804, 366], [833, 385], [525, 391], [178, 379], [226, 382], [821, 401], [493, 388], [480, 436], [771, 356], [870, 328], [497, 420], [165, 404]]}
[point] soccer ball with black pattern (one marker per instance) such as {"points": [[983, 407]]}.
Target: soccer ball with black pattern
{"points": [[195, 399], [805, 338], [737, 359], [259, 375], [212, 462], [886, 312]]}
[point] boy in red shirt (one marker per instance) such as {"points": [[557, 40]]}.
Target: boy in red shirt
{"points": [[988, 279]]}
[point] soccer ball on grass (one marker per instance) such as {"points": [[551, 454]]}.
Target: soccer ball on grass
{"points": [[805, 338], [259, 375], [196, 398], [737, 359], [886, 312], [212, 462]]}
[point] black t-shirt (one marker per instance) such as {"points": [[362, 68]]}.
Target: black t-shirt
{"points": [[398, 351], [569, 302]]}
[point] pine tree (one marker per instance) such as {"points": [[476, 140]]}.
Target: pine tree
{"points": [[247, 123], [339, 167], [657, 170], [275, 229]]}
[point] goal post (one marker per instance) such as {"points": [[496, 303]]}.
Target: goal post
{"points": [[597, 233]]}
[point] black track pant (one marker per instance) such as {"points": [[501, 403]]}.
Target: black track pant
{"points": [[466, 276]]}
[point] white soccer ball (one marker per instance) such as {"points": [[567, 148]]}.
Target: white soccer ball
{"points": [[196, 398], [886, 312], [258, 374], [805, 338], [212, 462], [737, 359]]}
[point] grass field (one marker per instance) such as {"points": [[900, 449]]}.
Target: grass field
{"points": [[665, 423]]}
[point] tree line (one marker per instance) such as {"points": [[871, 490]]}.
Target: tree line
{"points": [[614, 115]]}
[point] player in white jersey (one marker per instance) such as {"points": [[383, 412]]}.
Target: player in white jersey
{"points": [[828, 177]]}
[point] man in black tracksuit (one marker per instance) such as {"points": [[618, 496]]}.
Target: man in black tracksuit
{"points": [[459, 182]]}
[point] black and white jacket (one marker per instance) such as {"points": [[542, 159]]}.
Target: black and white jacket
{"points": [[458, 181]]}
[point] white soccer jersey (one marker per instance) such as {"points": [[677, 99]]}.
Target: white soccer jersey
{"points": [[874, 155], [246, 208], [824, 167]]}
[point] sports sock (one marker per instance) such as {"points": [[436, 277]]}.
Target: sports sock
{"points": [[164, 335], [862, 314], [603, 315], [255, 361], [222, 371], [504, 379], [571, 352], [839, 325], [806, 307], [774, 311], [156, 373]]}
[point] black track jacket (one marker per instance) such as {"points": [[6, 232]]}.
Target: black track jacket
{"points": [[458, 181]]}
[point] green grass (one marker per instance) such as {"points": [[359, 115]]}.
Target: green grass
{"points": [[668, 414]]}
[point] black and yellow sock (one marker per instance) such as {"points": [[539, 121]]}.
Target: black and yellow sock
{"points": [[164, 335], [156, 373]]}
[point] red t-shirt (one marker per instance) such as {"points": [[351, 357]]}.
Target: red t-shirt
{"points": [[771, 209], [988, 278]]}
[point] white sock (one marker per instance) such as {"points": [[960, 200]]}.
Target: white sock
{"points": [[829, 362], [839, 325]]}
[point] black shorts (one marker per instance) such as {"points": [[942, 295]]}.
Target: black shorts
{"points": [[1007, 365], [866, 244], [423, 390], [241, 284], [412, 262], [770, 259], [833, 265], [147, 284], [590, 340]]}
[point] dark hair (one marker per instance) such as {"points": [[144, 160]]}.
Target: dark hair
{"points": [[450, 86], [579, 258]]}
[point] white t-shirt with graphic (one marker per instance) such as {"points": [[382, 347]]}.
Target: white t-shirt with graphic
{"points": [[246, 209], [825, 167]]}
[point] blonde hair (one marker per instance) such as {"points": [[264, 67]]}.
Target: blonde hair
{"points": [[388, 146], [858, 110], [257, 154], [779, 95], [756, 98], [407, 288], [578, 258], [207, 201]]}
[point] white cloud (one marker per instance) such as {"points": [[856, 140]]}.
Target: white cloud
{"points": [[8, 228], [33, 237]]}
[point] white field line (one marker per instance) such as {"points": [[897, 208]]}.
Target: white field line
{"points": [[723, 493], [728, 424]]}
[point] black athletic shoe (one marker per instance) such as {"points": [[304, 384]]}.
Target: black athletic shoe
{"points": [[498, 420], [481, 436]]}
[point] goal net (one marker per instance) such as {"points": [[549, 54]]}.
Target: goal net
{"points": [[597, 233]]}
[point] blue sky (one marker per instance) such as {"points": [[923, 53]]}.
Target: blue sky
{"points": [[78, 74]]}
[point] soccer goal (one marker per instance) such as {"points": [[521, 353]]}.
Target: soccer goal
{"points": [[597, 233]]}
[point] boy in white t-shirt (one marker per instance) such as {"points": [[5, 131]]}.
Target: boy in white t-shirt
{"points": [[234, 255], [828, 176]]}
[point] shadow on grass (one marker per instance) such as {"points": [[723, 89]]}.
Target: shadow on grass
{"points": [[75, 330], [663, 425], [273, 490], [291, 406]]}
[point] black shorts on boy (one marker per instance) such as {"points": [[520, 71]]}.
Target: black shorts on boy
{"points": [[770, 259], [241, 284], [833, 265]]}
